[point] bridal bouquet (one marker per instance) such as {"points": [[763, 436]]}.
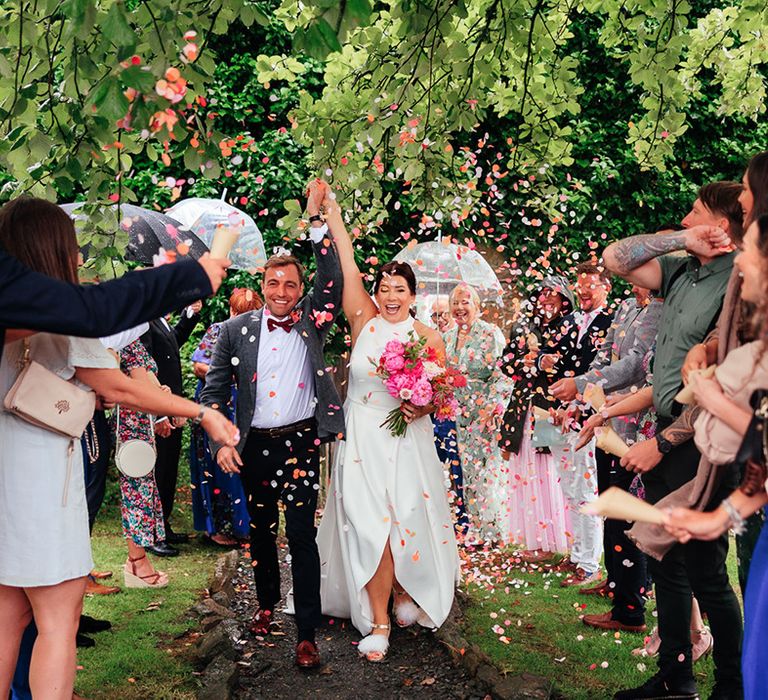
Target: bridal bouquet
{"points": [[411, 373]]}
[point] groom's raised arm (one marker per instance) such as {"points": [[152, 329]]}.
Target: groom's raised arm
{"points": [[328, 285]]}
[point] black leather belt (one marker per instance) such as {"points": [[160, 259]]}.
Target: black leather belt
{"points": [[280, 430]]}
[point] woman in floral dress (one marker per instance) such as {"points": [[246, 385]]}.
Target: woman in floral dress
{"points": [[475, 348], [140, 507]]}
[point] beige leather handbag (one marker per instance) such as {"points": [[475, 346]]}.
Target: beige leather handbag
{"points": [[44, 399]]}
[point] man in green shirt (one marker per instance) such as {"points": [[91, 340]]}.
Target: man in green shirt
{"points": [[693, 287]]}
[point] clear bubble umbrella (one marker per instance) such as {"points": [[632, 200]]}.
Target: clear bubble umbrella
{"points": [[202, 216], [440, 265]]}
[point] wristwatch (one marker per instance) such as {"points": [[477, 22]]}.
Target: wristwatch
{"points": [[663, 445], [198, 419]]}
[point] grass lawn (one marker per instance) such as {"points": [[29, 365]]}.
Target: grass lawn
{"points": [[145, 655], [526, 622]]}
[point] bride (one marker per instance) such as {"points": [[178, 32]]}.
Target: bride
{"points": [[387, 527]]}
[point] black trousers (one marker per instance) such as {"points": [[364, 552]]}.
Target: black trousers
{"points": [[284, 468], [696, 568], [624, 562], [96, 471], [167, 471]]}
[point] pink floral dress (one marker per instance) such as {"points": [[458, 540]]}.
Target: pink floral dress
{"points": [[140, 507]]}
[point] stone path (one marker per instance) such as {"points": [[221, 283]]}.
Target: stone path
{"points": [[417, 665]]}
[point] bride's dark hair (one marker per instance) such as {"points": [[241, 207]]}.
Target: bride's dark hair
{"points": [[401, 269]]}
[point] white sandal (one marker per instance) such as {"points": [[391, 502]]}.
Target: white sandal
{"points": [[374, 647], [426, 621], [406, 612]]}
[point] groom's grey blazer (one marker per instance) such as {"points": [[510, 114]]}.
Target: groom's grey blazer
{"points": [[236, 353]]}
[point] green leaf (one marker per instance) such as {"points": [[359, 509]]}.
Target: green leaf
{"points": [[116, 29], [139, 78]]}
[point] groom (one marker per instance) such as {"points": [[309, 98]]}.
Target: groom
{"points": [[287, 405]]}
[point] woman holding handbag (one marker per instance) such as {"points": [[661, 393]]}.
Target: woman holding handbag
{"points": [[140, 506], [43, 570]]}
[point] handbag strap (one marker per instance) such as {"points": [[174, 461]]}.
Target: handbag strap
{"points": [[25, 358], [117, 425]]}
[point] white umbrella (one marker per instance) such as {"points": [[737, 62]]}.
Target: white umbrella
{"points": [[202, 216], [440, 265]]}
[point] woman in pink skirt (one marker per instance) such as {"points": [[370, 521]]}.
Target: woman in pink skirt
{"points": [[537, 514]]}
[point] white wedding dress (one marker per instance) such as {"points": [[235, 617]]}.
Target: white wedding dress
{"points": [[385, 488]]}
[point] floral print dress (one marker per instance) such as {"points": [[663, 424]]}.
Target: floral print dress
{"points": [[485, 471], [140, 506]]}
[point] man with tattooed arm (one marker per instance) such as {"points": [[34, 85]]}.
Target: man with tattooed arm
{"points": [[693, 288]]}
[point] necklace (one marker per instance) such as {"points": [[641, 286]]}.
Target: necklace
{"points": [[92, 442]]}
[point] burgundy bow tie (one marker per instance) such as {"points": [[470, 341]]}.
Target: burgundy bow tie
{"points": [[286, 324]]}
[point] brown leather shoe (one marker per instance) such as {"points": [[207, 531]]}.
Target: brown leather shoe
{"points": [[93, 587], [100, 575], [601, 589], [566, 566], [603, 621], [263, 621], [307, 655]]}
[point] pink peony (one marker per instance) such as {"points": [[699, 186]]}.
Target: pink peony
{"points": [[393, 363], [397, 382], [422, 392]]}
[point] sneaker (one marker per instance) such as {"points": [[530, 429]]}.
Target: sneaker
{"points": [[661, 687]]}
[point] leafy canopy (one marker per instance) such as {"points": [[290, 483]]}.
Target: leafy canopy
{"points": [[406, 79]]}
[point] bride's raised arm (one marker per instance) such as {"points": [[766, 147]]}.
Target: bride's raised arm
{"points": [[356, 302]]}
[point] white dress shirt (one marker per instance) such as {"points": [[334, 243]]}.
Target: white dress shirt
{"points": [[285, 386], [584, 320]]}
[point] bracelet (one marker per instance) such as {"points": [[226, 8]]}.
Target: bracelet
{"points": [[315, 217], [198, 419], [738, 524]]}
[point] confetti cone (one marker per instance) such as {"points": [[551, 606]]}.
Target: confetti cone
{"points": [[224, 237], [609, 441], [540, 414], [594, 396], [685, 395], [620, 505]]}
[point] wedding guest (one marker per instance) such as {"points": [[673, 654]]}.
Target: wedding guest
{"points": [[162, 343], [583, 332], [446, 438], [140, 507], [537, 517], [693, 289], [386, 530], [636, 408], [219, 504], [731, 426], [475, 347], [734, 328], [43, 570], [618, 367]]}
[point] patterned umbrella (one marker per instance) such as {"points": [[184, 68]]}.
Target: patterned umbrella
{"points": [[441, 265], [149, 231], [203, 216]]}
